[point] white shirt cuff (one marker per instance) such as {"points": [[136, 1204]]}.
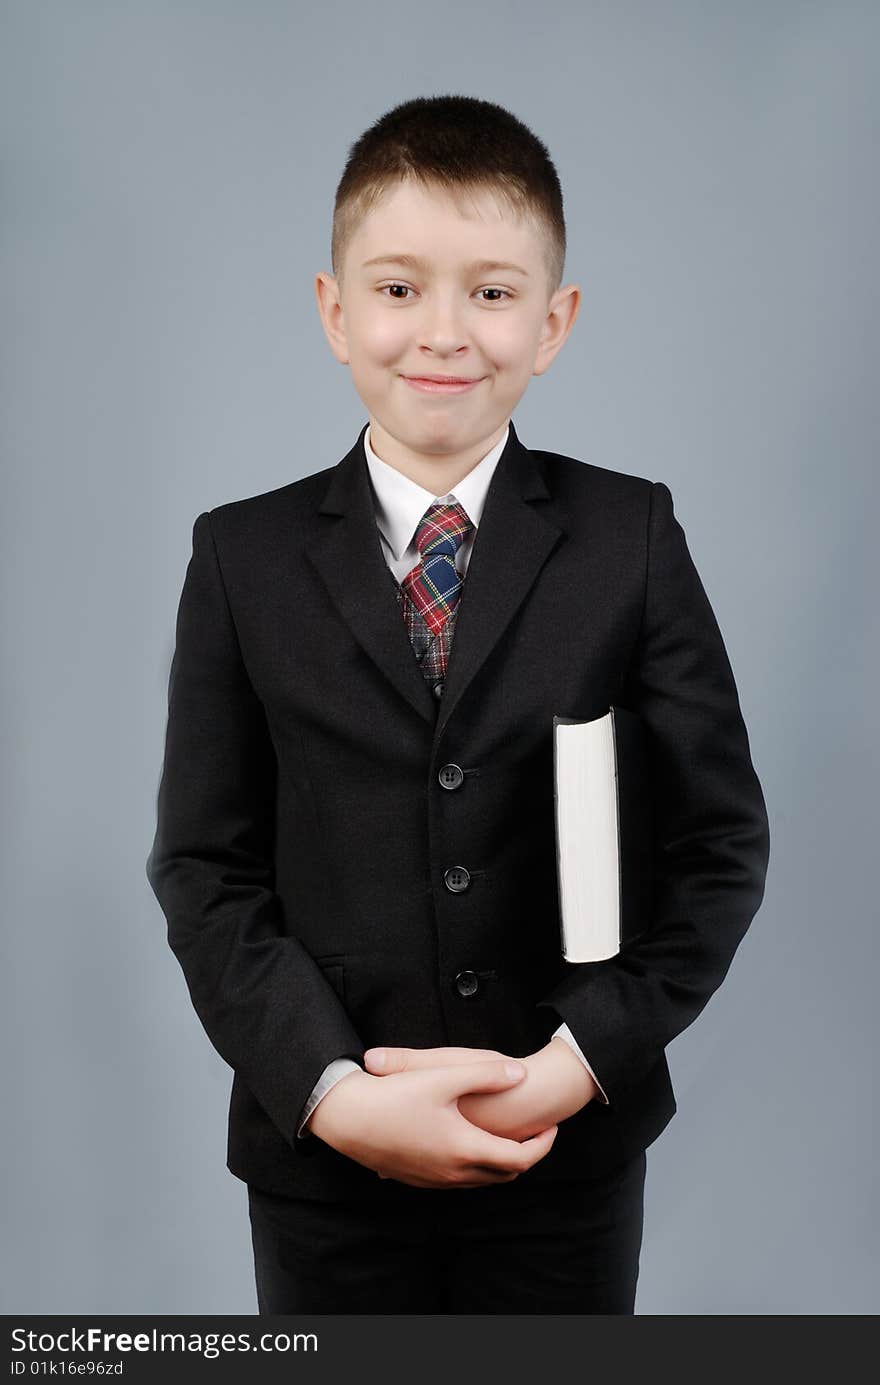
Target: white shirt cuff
{"points": [[563, 1032], [333, 1073]]}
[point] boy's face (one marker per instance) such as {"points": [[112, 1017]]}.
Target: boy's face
{"points": [[442, 314]]}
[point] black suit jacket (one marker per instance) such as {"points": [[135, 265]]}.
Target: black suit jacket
{"points": [[303, 834]]}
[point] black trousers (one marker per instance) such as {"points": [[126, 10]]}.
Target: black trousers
{"points": [[505, 1248]]}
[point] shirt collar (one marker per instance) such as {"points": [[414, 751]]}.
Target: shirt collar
{"points": [[401, 502]]}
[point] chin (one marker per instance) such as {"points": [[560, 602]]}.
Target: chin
{"points": [[427, 428]]}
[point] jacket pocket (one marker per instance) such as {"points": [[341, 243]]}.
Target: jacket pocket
{"points": [[334, 970]]}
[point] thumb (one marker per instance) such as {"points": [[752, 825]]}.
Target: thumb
{"points": [[381, 1061], [490, 1076]]}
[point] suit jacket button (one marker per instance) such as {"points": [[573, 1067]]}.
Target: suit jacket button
{"points": [[457, 879], [451, 777], [467, 983], [438, 690]]}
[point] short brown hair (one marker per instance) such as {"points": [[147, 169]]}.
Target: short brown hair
{"points": [[459, 144]]}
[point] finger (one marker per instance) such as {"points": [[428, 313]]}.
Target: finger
{"points": [[483, 1175], [538, 1145], [445, 1057], [498, 1153], [489, 1076], [386, 1060], [472, 1177], [381, 1061], [471, 1055]]}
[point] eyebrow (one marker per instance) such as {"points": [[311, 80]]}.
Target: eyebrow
{"points": [[478, 266]]}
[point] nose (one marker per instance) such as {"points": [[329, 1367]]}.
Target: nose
{"points": [[441, 329]]}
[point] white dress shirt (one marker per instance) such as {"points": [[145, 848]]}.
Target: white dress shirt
{"points": [[400, 506]]}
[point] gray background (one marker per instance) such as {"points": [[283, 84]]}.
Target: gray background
{"points": [[169, 175]]}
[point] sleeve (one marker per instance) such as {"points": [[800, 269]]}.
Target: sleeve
{"points": [[564, 1033], [264, 1003], [333, 1073], [712, 838]]}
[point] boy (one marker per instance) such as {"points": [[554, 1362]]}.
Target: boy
{"points": [[355, 844]]}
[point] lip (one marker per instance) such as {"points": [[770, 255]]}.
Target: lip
{"points": [[449, 384]]}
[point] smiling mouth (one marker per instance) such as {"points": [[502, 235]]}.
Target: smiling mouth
{"points": [[450, 384]]}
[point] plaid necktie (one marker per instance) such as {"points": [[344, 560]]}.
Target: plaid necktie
{"points": [[434, 586]]}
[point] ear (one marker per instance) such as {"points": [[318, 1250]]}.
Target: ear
{"points": [[562, 310], [329, 299]]}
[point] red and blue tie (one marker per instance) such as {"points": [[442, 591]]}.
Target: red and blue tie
{"points": [[434, 585]]}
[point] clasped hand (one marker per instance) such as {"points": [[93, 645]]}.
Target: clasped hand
{"points": [[453, 1117]]}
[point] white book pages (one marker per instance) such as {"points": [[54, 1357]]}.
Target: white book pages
{"points": [[587, 839]]}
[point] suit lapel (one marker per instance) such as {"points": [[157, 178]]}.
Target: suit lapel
{"points": [[347, 554], [513, 541]]}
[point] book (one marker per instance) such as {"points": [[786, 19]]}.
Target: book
{"points": [[604, 832]]}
